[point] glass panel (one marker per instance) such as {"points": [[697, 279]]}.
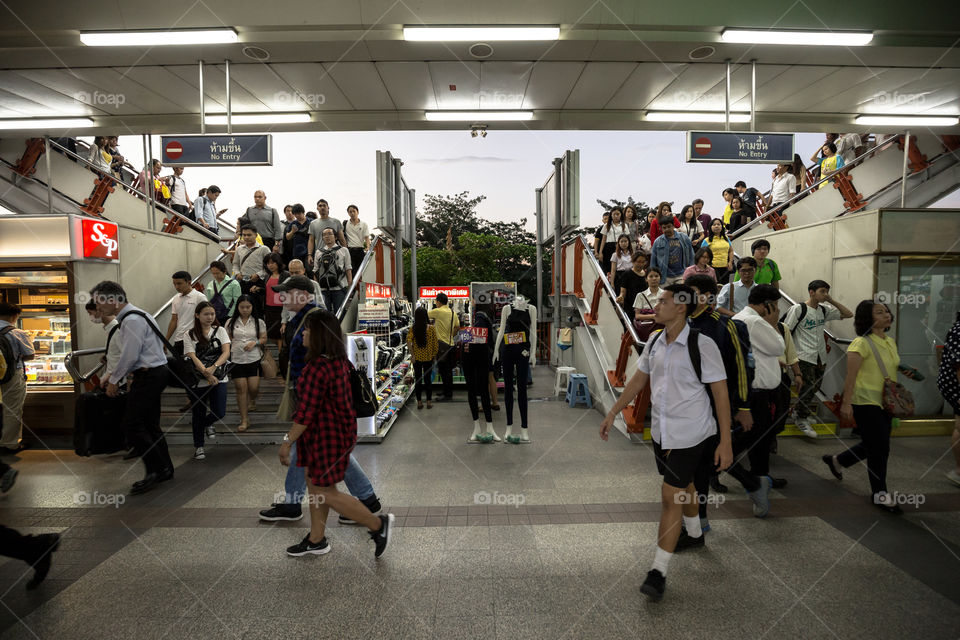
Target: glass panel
{"points": [[927, 306]]}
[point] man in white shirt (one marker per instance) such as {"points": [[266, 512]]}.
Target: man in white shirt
{"points": [[333, 271], [784, 186], [741, 289], [179, 198], [806, 322], [761, 315], [181, 319], [248, 257], [846, 146], [357, 234], [317, 225], [683, 424]]}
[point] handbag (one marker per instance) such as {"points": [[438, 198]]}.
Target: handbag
{"points": [[210, 356], [288, 402], [364, 400], [897, 400], [180, 371]]}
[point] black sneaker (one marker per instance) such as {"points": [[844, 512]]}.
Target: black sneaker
{"points": [[305, 547], [382, 537], [778, 483], [654, 585], [828, 460], [686, 541], [371, 503], [716, 486], [280, 511], [7, 479]]}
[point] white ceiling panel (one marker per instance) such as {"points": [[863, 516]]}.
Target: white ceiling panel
{"points": [[122, 95], [644, 84], [53, 88], [550, 84], [361, 85], [774, 94], [185, 95], [314, 87], [598, 83], [456, 84], [714, 99], [215, 89], [695, 81], [17, 106], [503, 84], [409, 84], [820, 96]]}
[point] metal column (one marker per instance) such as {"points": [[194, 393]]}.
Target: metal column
{"points": [[753, 94], [46, 154], [415, 291], [203, 107], [726, 108], [398, 222], [903, 178], [229, 107], [539, 263], [558, 190]]}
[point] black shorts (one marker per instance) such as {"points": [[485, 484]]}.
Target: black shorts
{"points": [[679, 466], [249, 370]]}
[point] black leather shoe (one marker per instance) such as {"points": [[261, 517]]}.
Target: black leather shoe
{"points": [[778, 483], [130, 455], [166, 474], [686, 541], [149, 481], [716, 485], [45, 546]]}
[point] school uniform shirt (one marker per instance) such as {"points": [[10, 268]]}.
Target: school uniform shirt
{"points": [[691, 230], [623, 262], [183, 307], [868, 389], [613, 233], [244, 332], [740, 294], [190, 346], [682, 417], [767, 345], [645, 300], [808, 335]]}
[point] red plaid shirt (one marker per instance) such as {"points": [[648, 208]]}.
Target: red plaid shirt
{"points": [[326, 408]]}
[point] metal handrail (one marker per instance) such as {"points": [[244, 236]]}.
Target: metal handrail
{"points": [[783, 205], [628, 325], [355, 283], [68, 363], [185, 221]]}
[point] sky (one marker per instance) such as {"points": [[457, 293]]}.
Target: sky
{"points": [[505, 166]]}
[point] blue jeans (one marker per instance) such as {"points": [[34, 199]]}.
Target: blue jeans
{"points": [[214, 399], [333, 298], [295, 486]]}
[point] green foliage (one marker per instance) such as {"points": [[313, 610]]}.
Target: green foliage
{"points": [[457, 213]]}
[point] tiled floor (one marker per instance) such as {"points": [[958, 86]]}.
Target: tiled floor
{"points": [[549, 540]]}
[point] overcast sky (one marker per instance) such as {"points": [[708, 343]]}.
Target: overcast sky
{"points": [[506, 167]]}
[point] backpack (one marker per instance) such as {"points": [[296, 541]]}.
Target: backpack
{"points": [[6, 352], [693, 348], [803, 314], [219, 306], [328, 268]]}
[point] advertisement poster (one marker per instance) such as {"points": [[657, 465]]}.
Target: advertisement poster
{"points": [[491, 297]]}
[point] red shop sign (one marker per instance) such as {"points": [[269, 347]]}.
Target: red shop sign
{"points": [[379, 291], [451, 292], [100, 239]]}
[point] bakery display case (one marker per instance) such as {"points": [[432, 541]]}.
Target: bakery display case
{"points": [[44, 297]]}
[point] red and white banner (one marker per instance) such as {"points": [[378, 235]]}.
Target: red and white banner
{"points": [[452, 292], [379, 291]]}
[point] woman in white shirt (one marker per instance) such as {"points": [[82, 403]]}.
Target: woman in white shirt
{"points": [[621, 262], [643, 304], [208, 346], [611, 231], [100, 158], [248, 335], [690, 226]]}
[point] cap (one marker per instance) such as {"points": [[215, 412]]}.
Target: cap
{"points": [[303, 283]]}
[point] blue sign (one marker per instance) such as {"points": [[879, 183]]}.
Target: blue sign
{"points": [[739, 146], [217, 151]]}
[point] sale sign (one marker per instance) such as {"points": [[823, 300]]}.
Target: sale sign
{"points": [[100, 239], [379, 291], [451, 292]]}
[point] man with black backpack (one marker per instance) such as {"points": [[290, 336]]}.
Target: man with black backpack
{"points": [[15, 349], [685, 434], [333, 269], [806, 320]]}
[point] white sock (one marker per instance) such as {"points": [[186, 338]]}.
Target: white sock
{"points": [[692, 523], [476, 427], [661, 560]]}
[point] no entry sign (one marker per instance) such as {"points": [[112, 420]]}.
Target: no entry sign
{"points": [[217, 151], [736, 146], [173, 150]]}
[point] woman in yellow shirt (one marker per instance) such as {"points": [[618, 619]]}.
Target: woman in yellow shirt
{"points": [[422, 340], [722, 250], [863, 399]]}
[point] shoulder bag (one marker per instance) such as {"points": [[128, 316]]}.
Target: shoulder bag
{"points": [[180, 371], [897, 400], [364, 399]]}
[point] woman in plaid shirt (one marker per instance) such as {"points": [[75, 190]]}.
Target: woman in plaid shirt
{"points": [[325, 429]]}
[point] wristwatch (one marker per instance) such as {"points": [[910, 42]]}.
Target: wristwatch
{"points": [[286, 438]]}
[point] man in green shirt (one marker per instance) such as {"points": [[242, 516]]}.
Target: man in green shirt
{"points": [[767, 270]]}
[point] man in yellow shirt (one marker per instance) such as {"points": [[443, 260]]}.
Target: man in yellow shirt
{"points": [[447, 324]]}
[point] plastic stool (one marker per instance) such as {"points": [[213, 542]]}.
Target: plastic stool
{"points": [[563, 379], [578, 391]]}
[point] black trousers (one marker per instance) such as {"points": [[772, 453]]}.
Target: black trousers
{"points": [[446, 359], [781, 403], [183, 210], [424, 374], [759, 437], [874, 425], [356, 257], [516, 366], [476, 370], [141, 420], [14, 544]]}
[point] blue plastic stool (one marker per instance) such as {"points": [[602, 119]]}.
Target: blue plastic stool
{"points": [[578, 390]]}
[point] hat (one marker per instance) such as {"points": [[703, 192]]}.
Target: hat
{"points": [[303, 283]]}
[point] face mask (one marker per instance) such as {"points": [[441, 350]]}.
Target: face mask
{"points": [[94, 319]]}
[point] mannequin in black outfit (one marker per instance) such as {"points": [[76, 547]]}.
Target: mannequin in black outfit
{"points": [[476, 370], [517, 342]]}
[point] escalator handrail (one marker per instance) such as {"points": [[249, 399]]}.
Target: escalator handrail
{"points": [[185, 221], [783, 205], [355, 283]]}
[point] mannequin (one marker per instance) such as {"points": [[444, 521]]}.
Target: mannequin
{"points": [[476, 369], [517, 342]]}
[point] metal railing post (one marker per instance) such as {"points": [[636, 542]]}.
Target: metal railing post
{"points": [[46, 153], [753, 94], [903, 178], [203, 106], [229, 105], [726, 108]]}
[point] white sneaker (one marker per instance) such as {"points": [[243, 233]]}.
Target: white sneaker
{"points": [[954, 477], [211, 433], [806, 426], [199, 455]]}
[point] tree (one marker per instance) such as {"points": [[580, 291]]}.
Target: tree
{"points": [[441, 214], [641, 207]]}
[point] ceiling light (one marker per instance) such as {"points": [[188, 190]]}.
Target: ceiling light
{"points": [[478, 116], [928, 121], [823, 38], [695, 116], [258, 118], [479, 34], [153, 38], [46, 123]]}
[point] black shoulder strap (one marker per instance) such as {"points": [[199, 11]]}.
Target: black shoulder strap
{"points": [[803, 313], [146, 318], [113, 330], [693, 346]]}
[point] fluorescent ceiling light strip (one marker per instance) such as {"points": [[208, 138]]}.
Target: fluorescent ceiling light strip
{"points": [[478, 116], [790, 37], [695, 116], [46, 123], [930, 121], [154, 38], [258, 118], [480, 34]]}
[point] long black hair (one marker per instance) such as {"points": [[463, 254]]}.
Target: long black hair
{"points": [[326, 336], [231, 323], [196, 332], [420, 322], [723, 230], [863, 317]]}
